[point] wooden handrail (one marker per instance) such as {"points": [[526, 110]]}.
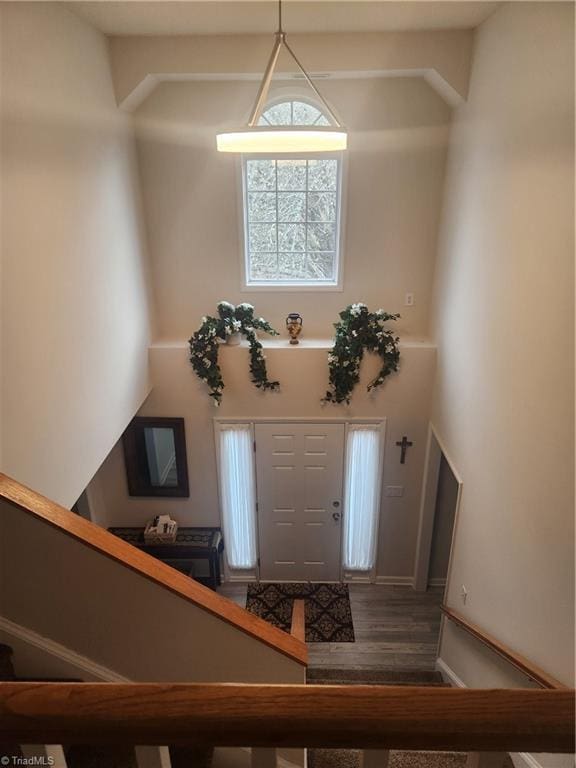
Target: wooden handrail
{"points": [[515, 659], [116, 549], [349, 716], [298, 626]]}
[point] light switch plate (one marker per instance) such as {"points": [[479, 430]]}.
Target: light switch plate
{"points": [[394, 490]]}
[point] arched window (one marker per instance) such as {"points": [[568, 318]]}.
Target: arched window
{"points": [[293, 113], [292, 209]]}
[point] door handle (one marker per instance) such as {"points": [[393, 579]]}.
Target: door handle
{"points": [[336, 516]]}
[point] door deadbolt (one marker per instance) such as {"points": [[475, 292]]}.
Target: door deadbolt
{"points": [[336, 504], [336, 516]]}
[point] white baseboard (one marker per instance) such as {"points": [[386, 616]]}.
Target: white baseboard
{"points": [[520, 759], [448, 674], [352, 577], [78, 665], [239, 579], [406, 581]]}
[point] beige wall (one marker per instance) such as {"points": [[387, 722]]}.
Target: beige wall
{"points": [[503, 318], [394, 174], [77, 597], [395, 170], [302, 371], [75, 317], [141, 61]]}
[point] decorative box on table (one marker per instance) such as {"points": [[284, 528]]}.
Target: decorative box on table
{"points": [[161, 530]]}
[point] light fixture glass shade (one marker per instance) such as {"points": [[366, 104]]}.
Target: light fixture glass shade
{"points": [[274, 139]]}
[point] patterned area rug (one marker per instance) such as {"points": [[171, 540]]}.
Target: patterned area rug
{"points": [[327, 609]]}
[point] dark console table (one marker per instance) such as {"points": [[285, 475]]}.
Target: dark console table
{"points": [[191, 544]]}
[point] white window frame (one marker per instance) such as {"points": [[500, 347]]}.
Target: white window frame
{"points": [[379, 423], [379, 426], [336, 285], [236, 573]]}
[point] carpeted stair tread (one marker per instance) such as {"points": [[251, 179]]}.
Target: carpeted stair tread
{"points": [[350, 758], [342, 676]]}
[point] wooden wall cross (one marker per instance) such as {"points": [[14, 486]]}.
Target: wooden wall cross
{"points": [[404, 445]]}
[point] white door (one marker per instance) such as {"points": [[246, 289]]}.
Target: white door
{"points": [[299, 479]]}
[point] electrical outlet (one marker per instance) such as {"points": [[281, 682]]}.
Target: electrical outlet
{"points": [[394, 490], [464, 594], [409, 300]]}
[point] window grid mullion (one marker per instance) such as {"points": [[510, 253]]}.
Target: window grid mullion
{"points": [[306, 222], [306, 257], [248, 222], [277, 217]]}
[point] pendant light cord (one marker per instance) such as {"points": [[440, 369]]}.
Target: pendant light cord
{"points": [[267, 79]]}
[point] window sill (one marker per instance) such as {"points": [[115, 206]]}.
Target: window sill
{"points": [[282, 342]]}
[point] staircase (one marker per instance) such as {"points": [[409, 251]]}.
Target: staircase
{"points": [[77, 756], [385, 713], [349, 758], [96, 756]]}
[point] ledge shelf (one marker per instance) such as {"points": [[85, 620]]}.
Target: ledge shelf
{"points": [[282, 342]]}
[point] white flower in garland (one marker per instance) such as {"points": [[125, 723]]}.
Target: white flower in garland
{"points": [[356, 309], [205, 342], [357, 331]]}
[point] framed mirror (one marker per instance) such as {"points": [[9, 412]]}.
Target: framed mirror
{"points": [[155, 455]]}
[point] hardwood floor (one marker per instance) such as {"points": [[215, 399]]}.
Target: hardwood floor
{"points": [[395, 628]]}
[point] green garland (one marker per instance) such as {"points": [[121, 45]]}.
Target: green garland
{"points": [[205, 343], [358, 330]]}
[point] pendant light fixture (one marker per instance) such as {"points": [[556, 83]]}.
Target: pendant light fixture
{"points": [[255, 138]]}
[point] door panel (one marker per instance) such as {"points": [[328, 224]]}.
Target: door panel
{"points": [[299, 478]]}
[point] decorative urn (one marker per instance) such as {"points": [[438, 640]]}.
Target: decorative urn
{"points": [[294, 326]]}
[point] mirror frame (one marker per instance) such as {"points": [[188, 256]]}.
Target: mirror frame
{"points": [[138, 479]]}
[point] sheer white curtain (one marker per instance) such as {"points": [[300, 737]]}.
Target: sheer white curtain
{"points": [[238, 494], [361, 496]]}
